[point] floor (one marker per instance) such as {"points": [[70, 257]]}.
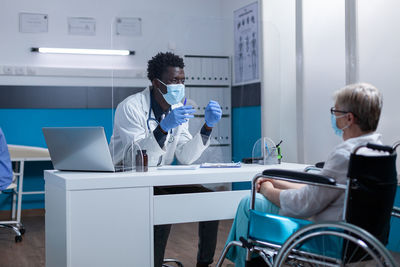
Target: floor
{"points": [[182, 244]]}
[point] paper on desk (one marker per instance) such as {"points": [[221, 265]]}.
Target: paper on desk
{"points": [[178, 167], [221, 165]]}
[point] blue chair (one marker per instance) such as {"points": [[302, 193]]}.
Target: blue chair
{"points": [[358, 239], [13, 224]]}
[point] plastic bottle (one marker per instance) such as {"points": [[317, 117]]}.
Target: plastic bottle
{"points": [[141, 161]]}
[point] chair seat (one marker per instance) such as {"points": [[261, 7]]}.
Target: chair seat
{"points": [[279, 228], [11, 186]]}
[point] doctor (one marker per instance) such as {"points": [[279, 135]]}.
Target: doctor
{"points": [[156, 121]]}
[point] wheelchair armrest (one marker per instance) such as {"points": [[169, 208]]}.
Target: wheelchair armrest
{"points": [[293, 176], [297, 176]]}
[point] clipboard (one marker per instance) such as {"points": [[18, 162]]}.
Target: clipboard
{"points": [[221, 165]]}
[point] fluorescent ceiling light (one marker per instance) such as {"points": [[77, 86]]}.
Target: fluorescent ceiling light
{"points": [[109, 52]]}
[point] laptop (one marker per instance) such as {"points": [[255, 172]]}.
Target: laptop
{"points": [[78, 149]]}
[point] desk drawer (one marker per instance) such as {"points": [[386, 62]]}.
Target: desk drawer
{"points": [[194, 207]]}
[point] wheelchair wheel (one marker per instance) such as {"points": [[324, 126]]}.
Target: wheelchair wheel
{"points": [[333, 244]]}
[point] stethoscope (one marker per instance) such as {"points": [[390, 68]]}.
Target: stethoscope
{"points": [[171, 137]]}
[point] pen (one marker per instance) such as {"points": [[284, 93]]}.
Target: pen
{"points": [[184, 103], [266, 147]]}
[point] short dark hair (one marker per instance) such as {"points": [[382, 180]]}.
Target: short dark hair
{"points": [[160, 62]]}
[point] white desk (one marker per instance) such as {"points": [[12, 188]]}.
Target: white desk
{"points": [[107, 219]]}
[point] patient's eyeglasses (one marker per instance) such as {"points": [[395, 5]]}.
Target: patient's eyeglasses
{"points": [[333, 111]]}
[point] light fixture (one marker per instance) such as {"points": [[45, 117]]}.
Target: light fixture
{"points": [[108, 52]]}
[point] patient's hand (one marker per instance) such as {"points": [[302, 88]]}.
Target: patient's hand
{"points": [[266, 187], [259, 182], [272, 193], [285, 184], [276, 183]]}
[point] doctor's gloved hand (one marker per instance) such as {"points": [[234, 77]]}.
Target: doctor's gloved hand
{"points": [[213, 113], [176, 117]]}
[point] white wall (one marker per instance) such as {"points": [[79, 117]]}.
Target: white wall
{"points": [[299, 113], [379, 43], [193, 27], [324, 72], [324, 66], [279, 93]]}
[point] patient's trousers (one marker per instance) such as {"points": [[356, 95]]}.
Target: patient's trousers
{"points": [[207, 230], [240, 225]]}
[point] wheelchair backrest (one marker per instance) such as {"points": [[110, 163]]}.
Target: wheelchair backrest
{"points": [[373, 183]]}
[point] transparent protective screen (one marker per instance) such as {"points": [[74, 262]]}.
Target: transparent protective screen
{"points": [[203, 38]]}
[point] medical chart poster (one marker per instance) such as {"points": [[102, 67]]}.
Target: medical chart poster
{"points": [[246, 41]]}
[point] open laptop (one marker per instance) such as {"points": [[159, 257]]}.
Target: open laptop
{"points": [[78, 148]]}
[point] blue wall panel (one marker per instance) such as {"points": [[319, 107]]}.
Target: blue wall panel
{"points": [[394, 237], [24, 127], [246, 130]]}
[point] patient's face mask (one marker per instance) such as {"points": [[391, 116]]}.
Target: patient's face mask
{"points": [[175, 93], [336, 129]]}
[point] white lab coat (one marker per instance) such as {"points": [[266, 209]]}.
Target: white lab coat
{"points": [[326, 204], [130, 127]]}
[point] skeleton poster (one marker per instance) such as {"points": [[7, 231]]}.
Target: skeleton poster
{"points": [[246, 35]]}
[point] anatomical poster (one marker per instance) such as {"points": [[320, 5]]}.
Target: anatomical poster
{"points": [[246, 35]]}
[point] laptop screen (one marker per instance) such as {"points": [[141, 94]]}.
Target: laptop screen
{"points": [[78, 148]]}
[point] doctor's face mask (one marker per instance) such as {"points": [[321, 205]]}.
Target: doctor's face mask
{"points": [[175, 93]]}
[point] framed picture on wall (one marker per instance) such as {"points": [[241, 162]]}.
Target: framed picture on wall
{"points": [[247, 44]]}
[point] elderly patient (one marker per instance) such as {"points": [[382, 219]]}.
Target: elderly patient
{"points": [[354, 117]]}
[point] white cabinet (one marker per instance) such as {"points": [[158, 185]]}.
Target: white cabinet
{"points": [[208, 78], [83, 224]]}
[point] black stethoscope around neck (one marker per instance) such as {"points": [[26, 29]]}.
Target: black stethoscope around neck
{"points": [[171, 137]]}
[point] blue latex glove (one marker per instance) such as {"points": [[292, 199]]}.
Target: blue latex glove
{"points": [[213, 113], [176, 117]]}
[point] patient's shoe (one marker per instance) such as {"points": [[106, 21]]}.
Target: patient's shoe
{"points": [[199, 264]]}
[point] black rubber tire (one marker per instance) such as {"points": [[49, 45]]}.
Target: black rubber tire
{"points": [[18, 238]]}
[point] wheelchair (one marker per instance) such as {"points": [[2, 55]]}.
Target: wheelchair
{"points": [[357, 240]]}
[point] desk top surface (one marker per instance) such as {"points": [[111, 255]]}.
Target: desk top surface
{"points": [[154, 177], [28, 153]]}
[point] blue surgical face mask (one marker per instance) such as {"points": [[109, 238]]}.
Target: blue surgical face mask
{"points": [[175, 93], [336, 129]]}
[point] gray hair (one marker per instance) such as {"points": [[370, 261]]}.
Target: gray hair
{"points": [[363, 100]]}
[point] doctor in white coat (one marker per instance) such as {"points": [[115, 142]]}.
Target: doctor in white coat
{"points": [[155, 120]]}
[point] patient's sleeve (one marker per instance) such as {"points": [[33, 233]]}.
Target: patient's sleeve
{"points": [[311, 200]]}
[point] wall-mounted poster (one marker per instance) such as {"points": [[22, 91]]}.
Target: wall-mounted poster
{"points": [[246, 34], [128, 26], [33, 23], [81, 26]]}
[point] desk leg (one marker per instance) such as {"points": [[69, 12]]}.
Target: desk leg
{"points": [[151, 207], [20, 190], [14, 198]]}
